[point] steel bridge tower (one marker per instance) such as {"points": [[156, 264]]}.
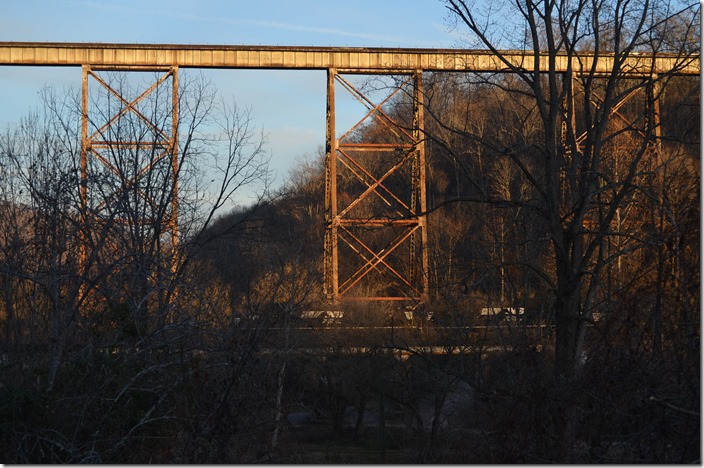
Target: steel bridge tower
{"points": [[123, 145], [375, 195]]}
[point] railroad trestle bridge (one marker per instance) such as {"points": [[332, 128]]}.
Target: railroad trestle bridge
{"points": [[351, 261]]}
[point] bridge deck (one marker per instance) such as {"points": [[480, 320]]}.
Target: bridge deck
{"points": [[342, 58]]}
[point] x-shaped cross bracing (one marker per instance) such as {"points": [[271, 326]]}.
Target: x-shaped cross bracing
{"points": [[380, 222], [162, 145]]}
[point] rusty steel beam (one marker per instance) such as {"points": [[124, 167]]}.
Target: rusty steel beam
{"points": [[420, 206], [344, 59], [332, 221]]}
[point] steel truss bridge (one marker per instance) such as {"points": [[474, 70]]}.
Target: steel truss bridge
{"points": [[355, 265]]}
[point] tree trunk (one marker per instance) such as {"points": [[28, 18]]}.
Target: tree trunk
{"points": [[279, 409], [569, 339], [566, 339], [360, 419]]}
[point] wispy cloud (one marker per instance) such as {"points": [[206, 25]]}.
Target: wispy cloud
{"points": [[326, 31], [273, 25]]}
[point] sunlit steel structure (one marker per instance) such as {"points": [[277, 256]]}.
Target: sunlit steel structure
{"points": [[382, 231], [375, 239], [159, 140]]}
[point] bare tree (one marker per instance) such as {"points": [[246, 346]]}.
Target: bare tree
{"points": [[98, 304], [569, 172], [573, 193]]}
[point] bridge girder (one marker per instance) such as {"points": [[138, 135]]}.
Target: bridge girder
{"points": [[363, 59]]}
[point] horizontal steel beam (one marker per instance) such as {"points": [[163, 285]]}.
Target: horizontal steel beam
{"points": [[344, 59]]}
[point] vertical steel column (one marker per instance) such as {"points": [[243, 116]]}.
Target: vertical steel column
{"points": [[655, 88], [85, 148], [419, 137], [332, 221], [174, 168]]}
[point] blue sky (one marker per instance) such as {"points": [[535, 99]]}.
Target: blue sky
{"points": [[388, 23], [288, 105]]}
